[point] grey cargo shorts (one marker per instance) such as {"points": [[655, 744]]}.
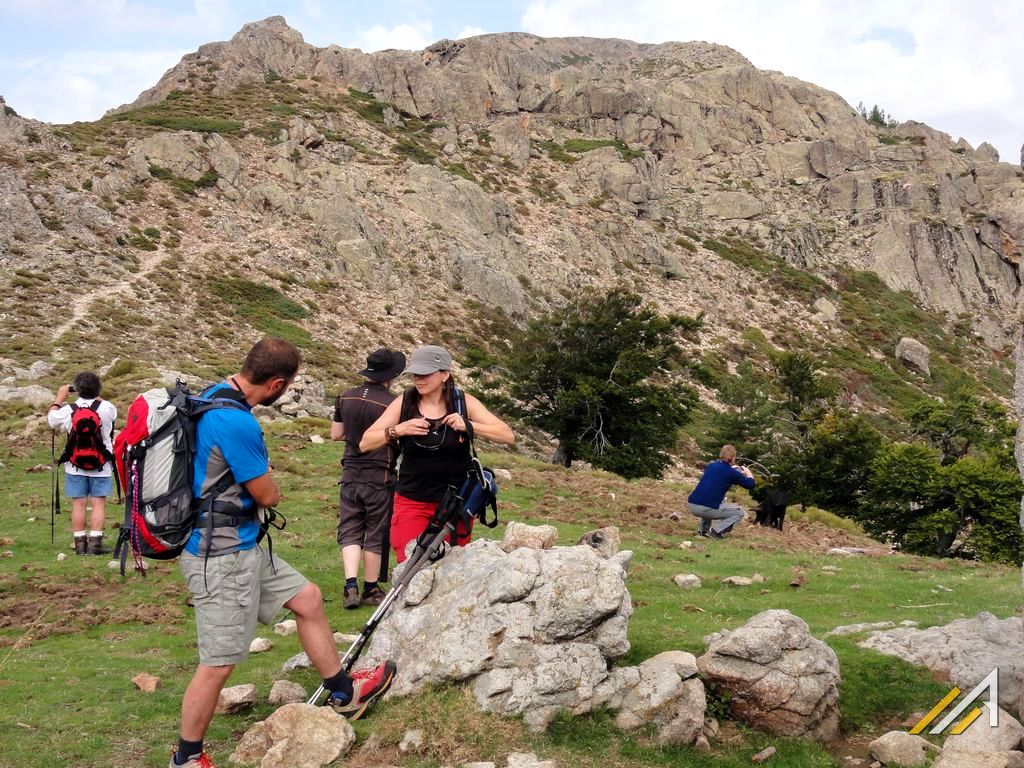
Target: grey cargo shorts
{"points": [[239, 589]]}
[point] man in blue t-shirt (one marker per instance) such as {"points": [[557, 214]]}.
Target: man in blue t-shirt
{"points": [[233, 581], [707, 500]]}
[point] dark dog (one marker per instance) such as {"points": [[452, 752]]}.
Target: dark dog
{"points": [[772, 509]]}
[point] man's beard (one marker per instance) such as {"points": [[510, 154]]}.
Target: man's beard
{"points": [[268, 401]]}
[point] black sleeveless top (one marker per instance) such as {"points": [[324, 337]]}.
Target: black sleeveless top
{"points": [[432, 462]]}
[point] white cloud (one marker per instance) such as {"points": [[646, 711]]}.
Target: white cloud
{"points": [[963, 74], [470, 32], [82, 85], [409, 37]]}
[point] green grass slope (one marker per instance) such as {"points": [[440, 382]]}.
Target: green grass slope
{"points": [[74, 633]]}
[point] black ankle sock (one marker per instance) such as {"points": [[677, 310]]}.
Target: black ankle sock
{"points": [[351, 583], [187, 750], [340, 686], [368, 585]]}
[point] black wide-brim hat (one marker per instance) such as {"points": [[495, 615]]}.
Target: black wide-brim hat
{"points": [[383, 364]]}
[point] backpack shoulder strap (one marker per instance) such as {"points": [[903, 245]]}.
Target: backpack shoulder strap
{"points": [[94, 406], [74, 407], [460, 408]]}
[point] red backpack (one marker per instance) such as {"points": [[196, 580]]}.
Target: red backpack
{"points": [[85, 448]]}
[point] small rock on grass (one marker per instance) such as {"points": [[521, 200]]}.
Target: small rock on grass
{"points": [[286, 627], [286, 692], [146, 682], [236, 698], [260, 644], [411, 741], [60, 556], [528, 760], [737, 581], [687, 581], [763, 756]]}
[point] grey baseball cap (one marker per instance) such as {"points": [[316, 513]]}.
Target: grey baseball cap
{"points": [[428, 359]]}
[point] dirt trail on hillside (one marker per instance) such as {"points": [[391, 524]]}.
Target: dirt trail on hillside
{"points": [[81, 304]]}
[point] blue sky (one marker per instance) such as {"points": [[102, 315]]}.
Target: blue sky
{"points": [[954, 65]]}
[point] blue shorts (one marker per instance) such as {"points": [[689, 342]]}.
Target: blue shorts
{"points": [[82, 486]]}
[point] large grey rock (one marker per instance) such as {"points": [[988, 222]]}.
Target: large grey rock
{"points": [[900, 748], [779, 678], [913, 353], [34, 395], [955, 759], [980, 736], [296, 736], [733, 205], [668, 695], [533, 631], [965, 651]]}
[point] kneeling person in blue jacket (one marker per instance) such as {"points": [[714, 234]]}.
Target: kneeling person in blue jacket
{"points": [[707, 500]]}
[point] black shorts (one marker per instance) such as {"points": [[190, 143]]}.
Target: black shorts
{"points": [[365, 515]]}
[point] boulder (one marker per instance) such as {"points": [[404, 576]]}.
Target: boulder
{"points": [[296, 736], [826, 310], [987, 153], [286, 692], [604, 541], [980, 736], [668, 695], [913, 354], [901, 749], [779, 678], [951, 758], [733, 205], [34, 395], [529, 536], [965, 651], [236, 698], [533, 631]]}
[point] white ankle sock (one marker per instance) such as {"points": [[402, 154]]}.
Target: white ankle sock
{"points": [[95, 533], [79, 534]]}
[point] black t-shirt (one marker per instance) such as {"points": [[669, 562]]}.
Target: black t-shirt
{"points": [[432, 462], [358, 408]]}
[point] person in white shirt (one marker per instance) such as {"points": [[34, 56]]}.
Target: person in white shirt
{"points": [[88, 479]]}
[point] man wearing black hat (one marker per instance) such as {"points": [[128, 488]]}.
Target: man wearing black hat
{"points": [[367, 481]]}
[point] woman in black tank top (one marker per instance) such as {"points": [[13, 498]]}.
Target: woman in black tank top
{"points": [[431, 434]]}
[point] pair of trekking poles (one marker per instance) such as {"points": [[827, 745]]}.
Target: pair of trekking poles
{"points": [[453, 515]]}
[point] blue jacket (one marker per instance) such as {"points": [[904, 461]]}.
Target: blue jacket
{"points": [[718, 478]]}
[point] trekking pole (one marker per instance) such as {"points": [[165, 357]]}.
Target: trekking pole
{"points": [[420, 557], [54, 490]]}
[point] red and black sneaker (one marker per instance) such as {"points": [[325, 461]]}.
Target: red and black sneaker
{"points": [[368, 685], [203, 761]]}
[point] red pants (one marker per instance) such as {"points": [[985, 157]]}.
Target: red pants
{"points": [[410, 518]]}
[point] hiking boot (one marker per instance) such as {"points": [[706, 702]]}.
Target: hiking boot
{"points": [[368, 685], [203, 761], [80, 545], [351, 597], [95, 546], [372, 596], [715, 534]]}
